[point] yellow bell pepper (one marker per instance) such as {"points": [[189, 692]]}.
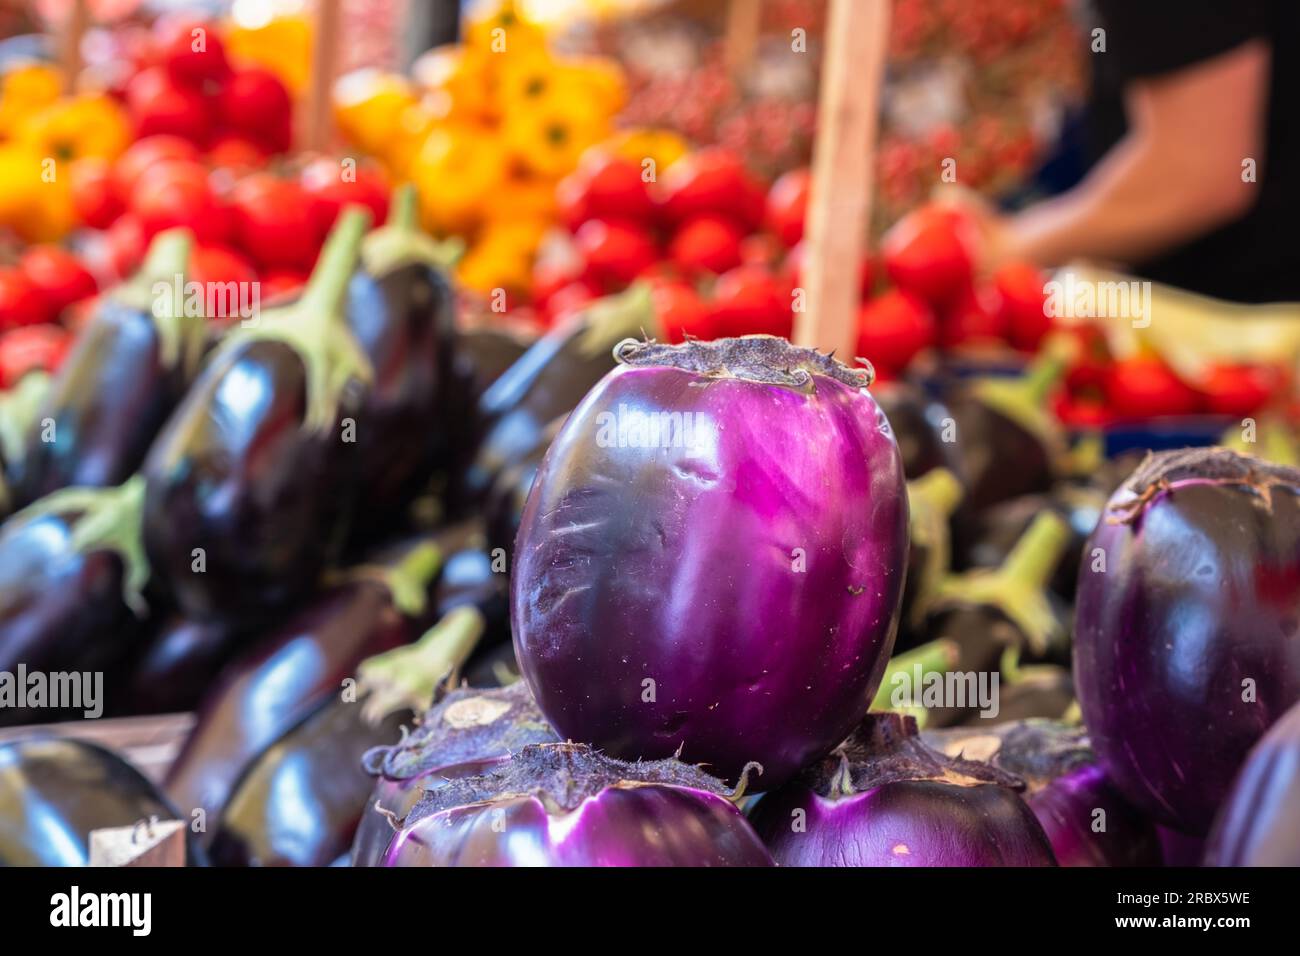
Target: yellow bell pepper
{"points": [[413, 128], [20, 178], [368, 107], [455, 171], [548, 137], [496, 262], [35, 194], [75, 127], [25, 90], [602, 79], [461, 83], [503, 30], [663, 146], [282, 46], [525, 198]]}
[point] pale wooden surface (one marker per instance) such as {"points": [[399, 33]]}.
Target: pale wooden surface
{"points": [[152, 843], [740, 36], [839, 210], [315, 124], [74, 28], [150, 743]]}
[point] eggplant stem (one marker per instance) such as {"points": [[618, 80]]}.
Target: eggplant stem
{"points": [[412, 677], [936, 657], [407, 581], [932, 499], [401, 242], [617, 318], [180, 335]]}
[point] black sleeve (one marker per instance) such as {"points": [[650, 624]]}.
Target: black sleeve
{"points": [[1149, 37]]}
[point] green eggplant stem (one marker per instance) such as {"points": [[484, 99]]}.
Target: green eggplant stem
{"points": [[168, 257], [408, 581], [401, 241], [939, 489], [936, 657], [608, 321], [403, 210], [411, 677], [329, 280], [1033, 560]]}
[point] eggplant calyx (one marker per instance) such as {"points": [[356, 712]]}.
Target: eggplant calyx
{"points": [[887, 748], [1023, 401], [407, 580], [1162, 472], [18, 408], [1036, 750], [410, 678], [931, 499], [764, 359], [108, 519], [153, 290], [914, 668], [401, 242], [1018, 588], [314, 326], [615, 318]]}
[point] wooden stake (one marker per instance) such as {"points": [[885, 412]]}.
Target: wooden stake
{"points": [[740, 41], [315, 127], [74, 28], [839, 209], [148, 843]]}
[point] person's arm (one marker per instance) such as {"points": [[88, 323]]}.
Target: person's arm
{"points": [[1176, 175]]}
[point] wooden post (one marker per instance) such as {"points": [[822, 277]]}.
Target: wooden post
{"points": [[740, 41], [74, 28], [148, 843], [314, 126], [839, 209]]}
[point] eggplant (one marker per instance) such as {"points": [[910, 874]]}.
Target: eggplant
{"points": [[72, 586], [503, 509], [1044, 691], [931, 501], [565, 804], [885, 798], [1087, 820], [129, 368], [55, 792], [299, 802], [464, 734], [290, 672], [1259, 823], [18, 407], [179, 662], [1187, 629], [251, 482], [1008, 441], [997, 615], [919, 424], [401, 310], [546, 382]]}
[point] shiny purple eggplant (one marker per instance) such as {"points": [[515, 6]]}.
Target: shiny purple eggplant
{"points": [[884, 798], [252, 480], [919, 424], [179, 662], [564, 804], [466, 732], [1187, 630], [712, 557], [1259, 823]]}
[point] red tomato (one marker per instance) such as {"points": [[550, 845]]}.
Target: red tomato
{"points": [[256, 104], [929, 252], [565, 301], [190, 49], [616, 252], [32, 347], [1144, 387], [793, 269], [217, 263], [748, 300], [58, 275], [604, 186], [159, 105], [281, 285], [787, 204], [21, 302], [94, 196], [1241, 389], [760, 249], [277, 223], [707, 243], [1076, 411], [893, 328], [145, 153], [235, 152], [680, 312], [552, 275], [124, 246], [334, 186], [713, 180], [1022, 293], [177, 193], [974, 318]]}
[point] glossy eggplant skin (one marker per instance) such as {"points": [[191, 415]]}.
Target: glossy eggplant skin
{"points": [[54, 792], [299, 803], [60, 610], [277, 683], [235, 472], [918, 424], [179, 663], [107, 402], [404, 321]]}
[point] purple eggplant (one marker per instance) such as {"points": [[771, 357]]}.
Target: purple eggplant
{"points": [[1086, 819], [179, 662], [931, 501], [1187, 629], [401, 310], [920, 425], [465, 733], [565, 804], [19, 405], [884, 798], [290, 672], [72, 586], [54, 793], [252, 479], [503, 509], [712, 557], [128, 370], [545, 383], [1259, 823]]}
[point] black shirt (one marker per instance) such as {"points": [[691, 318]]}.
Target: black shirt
{"points": [[1257, 257]]}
